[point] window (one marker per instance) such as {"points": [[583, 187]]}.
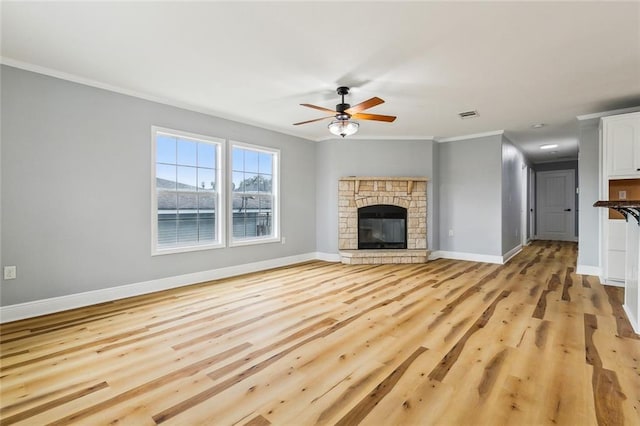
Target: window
{"points": [[186, 198], [254, 188]]}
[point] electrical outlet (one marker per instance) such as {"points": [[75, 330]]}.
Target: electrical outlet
{"points": [[451, 232], [10, 272], [283, 240], [622, 195]]}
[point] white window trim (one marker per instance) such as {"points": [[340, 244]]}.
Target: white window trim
{"points": [[275, 190], [221, 191]]}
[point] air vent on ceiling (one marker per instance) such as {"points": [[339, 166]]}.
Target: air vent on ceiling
{"points": [[468, 114]]}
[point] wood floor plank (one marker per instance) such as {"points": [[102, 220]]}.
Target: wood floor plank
{"points": [[448, 342]]}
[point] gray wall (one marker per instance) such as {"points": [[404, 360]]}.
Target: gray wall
{"points": [[470, 175], [589, 184], [76, 182], [512, 161], [565, 165], [337, 158]]}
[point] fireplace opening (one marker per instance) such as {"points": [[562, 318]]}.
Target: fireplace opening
{"points": [[382, 226]]}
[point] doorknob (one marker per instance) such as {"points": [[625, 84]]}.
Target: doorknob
{"points": [[567, 210]]}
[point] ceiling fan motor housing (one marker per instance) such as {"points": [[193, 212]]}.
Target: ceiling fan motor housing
{"points": [[341, 114]]}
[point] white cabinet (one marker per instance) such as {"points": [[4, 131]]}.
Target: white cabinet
{"points": [[631, 291], [621, 141], [616, 253]]}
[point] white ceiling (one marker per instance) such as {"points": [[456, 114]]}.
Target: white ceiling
{"points": [[516, 63]]}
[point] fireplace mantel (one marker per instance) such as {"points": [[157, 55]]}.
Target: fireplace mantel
{"points": [[409, 192], [409, 180]]}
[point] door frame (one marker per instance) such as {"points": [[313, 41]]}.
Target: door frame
{"points": [[571, 199], [532, 204], [524, 211]]}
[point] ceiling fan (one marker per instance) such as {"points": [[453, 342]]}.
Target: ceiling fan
{"points": [[344, 113]]}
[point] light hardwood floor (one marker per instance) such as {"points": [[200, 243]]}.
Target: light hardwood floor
{"points": [[446, 342]]}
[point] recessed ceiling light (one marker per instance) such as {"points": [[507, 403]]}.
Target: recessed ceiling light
{"points": [[537, 125], [549, 146]]}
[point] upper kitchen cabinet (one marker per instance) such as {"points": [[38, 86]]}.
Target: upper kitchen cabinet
{"points": [[621, 145]]}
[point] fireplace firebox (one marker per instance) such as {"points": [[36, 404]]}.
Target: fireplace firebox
{"points": [[382, 226]]}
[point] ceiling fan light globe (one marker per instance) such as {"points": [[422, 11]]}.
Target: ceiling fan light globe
{"points": [[343, 127]]}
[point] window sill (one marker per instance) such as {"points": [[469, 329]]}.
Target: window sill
{"points": [[185, 249], [253, 241]]}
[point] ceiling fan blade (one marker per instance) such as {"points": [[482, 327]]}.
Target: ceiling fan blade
{"points": [[311, 121], [330, 111], [376, 117], [364, 105]]}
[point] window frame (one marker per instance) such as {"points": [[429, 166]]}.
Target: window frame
{"points": [[275, 237], [221, 188]]}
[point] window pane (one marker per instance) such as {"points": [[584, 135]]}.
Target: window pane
{"points": [[265, 183], [250, 182], [251, 161], [206, 202], [167, 200], [206, 216], [266, 163], [206, 227], [165, 176], [265, 204], [187, 152], [263, 225], [187, 178], [238, 179], [265, 216], [245, 202], [187, 202], [237, 159], [167, 229], [166, 149], [187, 228], [206, 179], [206, 155], [238, 226]]}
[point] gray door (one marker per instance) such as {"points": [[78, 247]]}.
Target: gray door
{"points": [[555, 205]]}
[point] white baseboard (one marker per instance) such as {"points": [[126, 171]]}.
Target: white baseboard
{"points": [[63, 303], [588, 270], [474, 257], [328, 257], [612, 283], [632, 319], [511, 253]]}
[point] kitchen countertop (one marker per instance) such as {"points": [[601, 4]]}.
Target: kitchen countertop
{"points": [[634, 204], [626, 207]]}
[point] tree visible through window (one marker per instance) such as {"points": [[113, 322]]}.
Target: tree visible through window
{"points": [[254, 214], [187, 174]]}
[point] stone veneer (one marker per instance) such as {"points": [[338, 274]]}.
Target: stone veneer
{"points": [[408, 192]]}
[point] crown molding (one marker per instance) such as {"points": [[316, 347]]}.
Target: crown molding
{"points": [[471, 136], [607, 113], [379, 138]]}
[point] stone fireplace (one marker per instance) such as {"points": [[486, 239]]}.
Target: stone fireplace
{"points": [[382, 220]]}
